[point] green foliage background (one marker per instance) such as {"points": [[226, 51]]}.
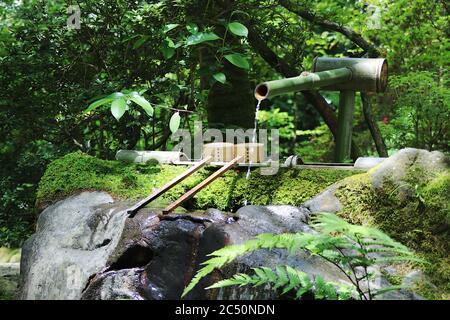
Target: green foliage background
{"points": [[180, 53]]}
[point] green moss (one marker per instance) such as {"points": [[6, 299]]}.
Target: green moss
{"points": [[77, 171], [357, 198], [8, 288], [436, 193], [414, 212]]}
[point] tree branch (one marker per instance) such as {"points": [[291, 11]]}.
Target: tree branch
{"points": [[373, 127], [349, 33], [268, 55]]}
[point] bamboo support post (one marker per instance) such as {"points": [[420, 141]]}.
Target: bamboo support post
{"points": [[345, 119]]}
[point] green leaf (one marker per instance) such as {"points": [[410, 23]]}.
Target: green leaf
{"points": [[168, 48], [169, 27], [167, 52], [174, 122], [238, 60], [116, 95], [388, 289], [201, 37], [94, 105], [118, 108], [169, 42], [143, 103], [238, 29], [192, 28], [140, 42], [220, 77]]}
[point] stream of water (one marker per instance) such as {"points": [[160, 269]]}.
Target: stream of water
{"points": [[254, 140]]}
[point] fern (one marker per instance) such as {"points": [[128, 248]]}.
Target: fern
{"points": [[287, 279], [351, 248]]}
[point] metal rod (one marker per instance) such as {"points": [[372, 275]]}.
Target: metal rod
{"points": [[134, 209], [345, 119], [201, 185]]}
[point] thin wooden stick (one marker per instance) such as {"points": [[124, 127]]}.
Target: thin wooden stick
{"points": [[201, 185], [134, 209]]}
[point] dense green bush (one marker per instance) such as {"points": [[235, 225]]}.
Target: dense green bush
{"points": [[18, 184], [187, 62], [421, 112]]}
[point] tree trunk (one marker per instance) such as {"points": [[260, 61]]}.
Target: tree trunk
{"points": [[231, 104], [373, 127]]}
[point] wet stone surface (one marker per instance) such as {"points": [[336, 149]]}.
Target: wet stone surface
{"points": [[86, 247]]}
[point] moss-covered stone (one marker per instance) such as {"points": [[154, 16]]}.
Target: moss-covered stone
{"points": [[77, 171], [412, 207], [8, 288], [406, 196]]}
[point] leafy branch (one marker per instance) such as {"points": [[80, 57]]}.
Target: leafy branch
{"points": [[119, 104]]}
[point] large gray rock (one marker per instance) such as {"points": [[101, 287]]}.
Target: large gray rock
{"points": [[174, 246], [397, 167], [73, 240], [86, 247], [325, 201]]}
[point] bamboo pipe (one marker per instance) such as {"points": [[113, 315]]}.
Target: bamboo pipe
{"points": [[305, 81]]}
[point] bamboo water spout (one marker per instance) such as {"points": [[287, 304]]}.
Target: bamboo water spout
{"points": [[305, 81], [346, 75], [333, 74]]}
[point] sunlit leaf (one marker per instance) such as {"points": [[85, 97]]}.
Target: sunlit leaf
{"points": [[116, 95], [94, 105], [169, 42], [220, 77], [238, 29], [238, 60], [174, 122], [192, 28], [118, 108], [169, 27], [201, 37], [143, 103]]}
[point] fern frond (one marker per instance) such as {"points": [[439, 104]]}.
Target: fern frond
{"points": [[345, 245], [324, 290], [286, 278], [388, 289], [203, 272], [228, 254]]}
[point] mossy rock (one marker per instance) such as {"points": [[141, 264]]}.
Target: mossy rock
{"points": [[77, 171], [407, 196], [8, 288]]}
